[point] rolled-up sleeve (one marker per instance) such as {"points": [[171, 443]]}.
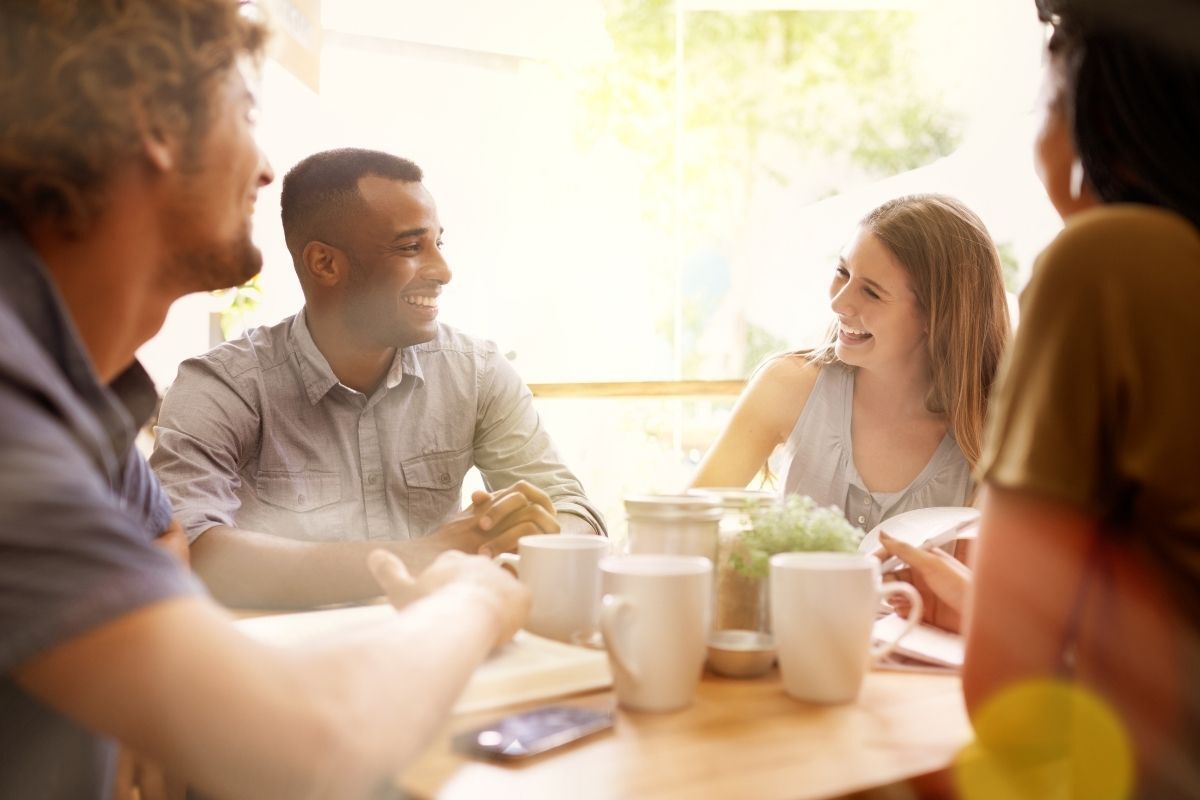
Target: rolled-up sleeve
{"points": [[511, 444], [205, 428]]}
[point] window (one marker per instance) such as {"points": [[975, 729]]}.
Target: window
{"points": [[655, 190]]}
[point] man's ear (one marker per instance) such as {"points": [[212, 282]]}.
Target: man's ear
{"points": [[324, 264], [157, 145]]}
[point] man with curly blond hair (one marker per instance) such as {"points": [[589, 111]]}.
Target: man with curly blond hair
{"points": [[128, 174]]}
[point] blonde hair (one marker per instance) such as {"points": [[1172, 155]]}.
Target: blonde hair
{"points": [[74, 72], [954, 272]]}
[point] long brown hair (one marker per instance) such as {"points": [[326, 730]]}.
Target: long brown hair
{"points": [[954, 271]]}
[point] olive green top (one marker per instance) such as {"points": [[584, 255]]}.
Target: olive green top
{"points": [[1098, 407], [1099, 402]]}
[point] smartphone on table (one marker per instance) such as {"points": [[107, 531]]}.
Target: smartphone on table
{"points": [[531, 732]]}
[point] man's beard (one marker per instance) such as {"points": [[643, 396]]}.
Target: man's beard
{"points": [[200, 262], [216, 265]]}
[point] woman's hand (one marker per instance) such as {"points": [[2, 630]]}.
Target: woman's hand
{"points": [[942, 580]]}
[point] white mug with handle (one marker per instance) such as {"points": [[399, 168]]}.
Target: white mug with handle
{"points": [[655, 618], [563, 576], [823, 607]]}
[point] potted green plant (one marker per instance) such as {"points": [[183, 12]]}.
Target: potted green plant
{"points": [[796, 525]]}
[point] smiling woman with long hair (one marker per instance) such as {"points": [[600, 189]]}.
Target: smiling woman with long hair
{"points": [[887, 414]]}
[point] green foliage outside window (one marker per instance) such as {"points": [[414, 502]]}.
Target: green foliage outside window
{"points": [[810, 99], [1010, 266], [239, 301]]}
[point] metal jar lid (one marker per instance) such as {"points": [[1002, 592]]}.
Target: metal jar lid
{"points": [[738, 499], [678, 507]]}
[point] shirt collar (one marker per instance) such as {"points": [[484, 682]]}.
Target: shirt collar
{"points": [[406, 363], [318, 376], [315, 371]]}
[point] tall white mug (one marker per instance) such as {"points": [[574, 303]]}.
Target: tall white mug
{"points": [[655, 618], [823, 606], [562, 572]]}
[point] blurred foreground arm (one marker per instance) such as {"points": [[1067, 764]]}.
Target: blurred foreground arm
{"points": [[1028, 572], [248, 569], [179, 684]]}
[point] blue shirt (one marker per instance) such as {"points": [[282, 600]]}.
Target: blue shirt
{"points": [[79, 510]]}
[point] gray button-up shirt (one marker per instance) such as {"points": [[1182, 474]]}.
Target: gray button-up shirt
{"points": [[259, 434]]}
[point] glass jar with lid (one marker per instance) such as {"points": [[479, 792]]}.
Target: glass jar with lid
{"points": [[681, 524], [741, 600]]}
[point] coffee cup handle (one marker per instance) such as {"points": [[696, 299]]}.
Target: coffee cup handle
{"points": [[613, 620], [914, 615], [511, 560]]}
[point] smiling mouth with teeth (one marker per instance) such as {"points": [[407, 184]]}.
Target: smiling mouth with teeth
{"points": [[420, 300]]}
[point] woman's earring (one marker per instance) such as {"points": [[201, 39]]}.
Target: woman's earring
{"points": [[1077, 177]]}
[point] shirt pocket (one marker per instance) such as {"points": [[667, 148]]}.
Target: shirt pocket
{"points": [[299, 492], [434, 484], [306, 506]]}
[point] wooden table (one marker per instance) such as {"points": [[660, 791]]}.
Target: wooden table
{"points": [[739, 739]]}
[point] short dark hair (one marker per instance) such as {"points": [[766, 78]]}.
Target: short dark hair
{"points": [[1131, 90], [322, 188], [71, 73]]}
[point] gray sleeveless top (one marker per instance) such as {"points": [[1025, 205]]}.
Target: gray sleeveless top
{"points": [[820, 460]]}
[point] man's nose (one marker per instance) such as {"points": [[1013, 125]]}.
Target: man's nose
{"points": [[266, 174], [437, 269]]}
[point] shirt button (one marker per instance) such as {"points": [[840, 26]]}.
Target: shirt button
{"points": [[300, 499], [372, 479], [862, 520], [444, 477]]}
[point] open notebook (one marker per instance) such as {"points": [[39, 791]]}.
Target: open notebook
{"points": [[527, 668], [925, 649]]}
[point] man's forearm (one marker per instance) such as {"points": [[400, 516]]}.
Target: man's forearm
{"points": [[327, 719], [248, 569], [436, 645]]}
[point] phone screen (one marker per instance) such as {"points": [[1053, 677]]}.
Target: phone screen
{"points": [[532, 732]]}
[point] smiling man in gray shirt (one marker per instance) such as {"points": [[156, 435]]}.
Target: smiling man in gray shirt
{"points": [[289, 452]]}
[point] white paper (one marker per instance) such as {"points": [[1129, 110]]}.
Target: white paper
{"points": [[919, 525]]}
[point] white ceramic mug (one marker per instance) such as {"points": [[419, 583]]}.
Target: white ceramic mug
{"points": [[562, 572], [823, 606], [655, 618]]}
